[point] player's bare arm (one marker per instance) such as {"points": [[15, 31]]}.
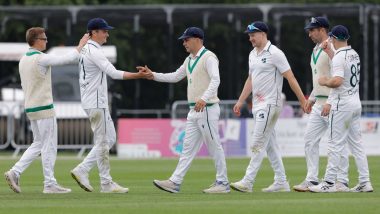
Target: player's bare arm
{"points": [[333, 82], [243, 96], [139, 75], [295, 88]]}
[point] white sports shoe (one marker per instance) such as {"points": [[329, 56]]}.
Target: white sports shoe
{"points": [[167, 185], [218, 187], [304, 186], [341, 187], [56, 189], [323, 187], [241, 186], [113, 187], [278, 187], [81, 178], [13, 181], [364, 187]]}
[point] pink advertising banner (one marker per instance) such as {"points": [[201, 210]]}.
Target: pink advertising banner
{"points": [[153, 138]]}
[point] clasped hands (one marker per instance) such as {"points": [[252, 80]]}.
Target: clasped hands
{"points": [[145, 72]]}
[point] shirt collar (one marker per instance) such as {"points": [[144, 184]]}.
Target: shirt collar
{"points": [[94, 43], [198, 53], [344, 48], [33, 50], [266, 48]]}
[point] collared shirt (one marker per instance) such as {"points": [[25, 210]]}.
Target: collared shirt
{"points": [[94, 68], [346, 64], [212, 67], [47, 60], [266, 69]]}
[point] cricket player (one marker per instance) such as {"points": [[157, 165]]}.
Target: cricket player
{"points": [[93, 69], [35, 75], [267, 67], [344, 109], [317, 124], [201, 68]]}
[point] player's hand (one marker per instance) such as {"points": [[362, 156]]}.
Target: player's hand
{"points": [[237, 108], [145, 72], [308, 106], [326, 110], [323, 80], [83, 41], [327, 47], [199, 105]]}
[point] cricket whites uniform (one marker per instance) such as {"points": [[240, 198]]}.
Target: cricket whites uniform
{"points": [[266, 69], [35, 74], [202, 74], [94, 68], [345, 115], [317, 124]]}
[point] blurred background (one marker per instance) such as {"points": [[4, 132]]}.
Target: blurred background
{"points": [[146, 33]]}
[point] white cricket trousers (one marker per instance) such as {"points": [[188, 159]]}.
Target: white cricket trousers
{"points": [[345, 128], [104, 138], [201, 126], [315, 130], [264, 140], [44, 143]]}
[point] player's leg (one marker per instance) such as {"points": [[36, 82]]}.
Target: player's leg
{"points": [[280, 183], [315, 129], [49, 138], [337, 140], [110, 140], [210, 132], [262, 130], [33, 151], [191, 146], [342, 180], [356, 145]]}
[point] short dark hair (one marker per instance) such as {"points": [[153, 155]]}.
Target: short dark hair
{"points": [[33, 33]]}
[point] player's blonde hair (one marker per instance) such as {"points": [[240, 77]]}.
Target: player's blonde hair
{"points": [[33, 33]]}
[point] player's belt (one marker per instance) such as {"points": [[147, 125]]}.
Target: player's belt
{"points": [[321, 96], [208, 104], [39, 108]]}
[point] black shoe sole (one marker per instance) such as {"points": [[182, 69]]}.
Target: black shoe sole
{"points": [[79, 183]]}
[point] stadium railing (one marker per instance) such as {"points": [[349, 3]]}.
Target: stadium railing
{"points": [[74, 131], [370, 108]]}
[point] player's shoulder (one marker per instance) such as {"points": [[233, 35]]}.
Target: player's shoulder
{"points": [[274, 50]]}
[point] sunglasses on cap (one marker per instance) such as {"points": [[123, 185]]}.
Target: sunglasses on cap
{"points": [[252, 27]]}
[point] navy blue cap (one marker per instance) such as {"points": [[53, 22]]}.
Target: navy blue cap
{"points": [[339, 32], [257, 27], [318, 22], [192, 32], [98, 24]]}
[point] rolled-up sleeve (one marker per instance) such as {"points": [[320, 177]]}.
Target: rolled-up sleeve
{"points": [[212, 67]]}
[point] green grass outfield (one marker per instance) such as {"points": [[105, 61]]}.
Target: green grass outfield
{"points": [[145, 198]]}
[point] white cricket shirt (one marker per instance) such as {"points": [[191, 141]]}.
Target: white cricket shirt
{"points": [[265, 69], [346, 64], [93, 68]]}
